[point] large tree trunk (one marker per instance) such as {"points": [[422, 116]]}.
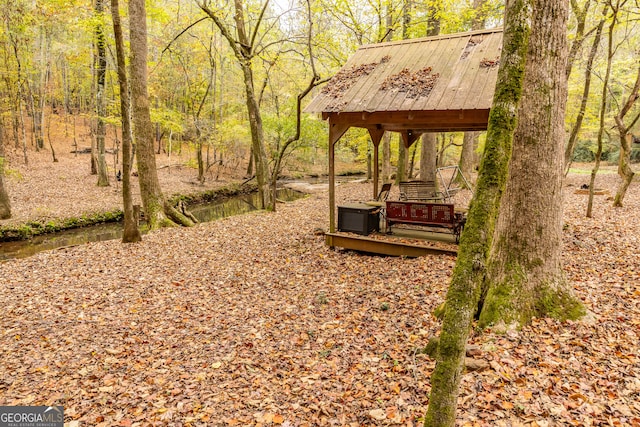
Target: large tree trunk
{"points": [[5, 204], [155, 206], [403, 161], [428, 157], [131, 232], [469, 271], [101, 103], [386, 157], [468, 158], [525, 276]]}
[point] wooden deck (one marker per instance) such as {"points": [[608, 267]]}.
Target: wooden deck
{"points": [[403, 242]]}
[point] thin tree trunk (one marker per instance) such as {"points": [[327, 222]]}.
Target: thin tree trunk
{"points": [[53, 151], [257, 137], [603, 112], [131, 232], [624, 168], [250, 165], [243, 48], [20, 83], [575, 130], [581, 15], [101, 107], [5, 202], [624, 132], [468, 158], [469, 271], [24, 133]]}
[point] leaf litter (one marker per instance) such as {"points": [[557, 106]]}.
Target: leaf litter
{"points": [[253, 321]]}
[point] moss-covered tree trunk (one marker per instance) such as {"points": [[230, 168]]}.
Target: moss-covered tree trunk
{"points": [[131, 232], [469, 271], [525, 276], [261, 162], [157, 210], [5, 204]]}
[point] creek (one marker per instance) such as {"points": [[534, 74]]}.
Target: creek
{"points": [[235, 205]]}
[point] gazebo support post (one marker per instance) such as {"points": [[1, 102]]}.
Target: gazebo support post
{"points": [[332, 188], [336, 130], [376, 136]]}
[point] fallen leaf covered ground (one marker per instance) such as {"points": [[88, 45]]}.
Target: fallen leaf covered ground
{"points": [[252, 320]]}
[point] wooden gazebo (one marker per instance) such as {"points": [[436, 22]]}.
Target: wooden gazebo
{"points": [[434, 84]]}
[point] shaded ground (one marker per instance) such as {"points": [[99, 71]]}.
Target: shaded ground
{"points": [[252, 320]]}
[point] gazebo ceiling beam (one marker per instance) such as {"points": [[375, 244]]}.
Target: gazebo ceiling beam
{"points": [[424, 120]]}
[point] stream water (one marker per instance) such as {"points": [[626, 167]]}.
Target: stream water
{"points": [[101, 232]]}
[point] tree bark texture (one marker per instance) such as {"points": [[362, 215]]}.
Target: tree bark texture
{"points": [[403, 161], [468, 157], [131, 232], [428, 157], [101, 103], [386, 157], [525, 276], [470, 268]]}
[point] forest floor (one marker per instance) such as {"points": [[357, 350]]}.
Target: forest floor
{"points": [[252, 320]]}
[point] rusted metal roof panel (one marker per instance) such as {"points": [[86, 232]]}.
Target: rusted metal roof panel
{"points": [[448, 72]]}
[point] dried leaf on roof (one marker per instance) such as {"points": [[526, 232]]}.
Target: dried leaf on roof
{"points": [[345, 78], [471, 44], [415, 84], [489, 63]]}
